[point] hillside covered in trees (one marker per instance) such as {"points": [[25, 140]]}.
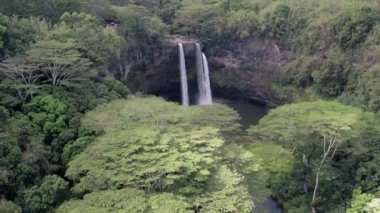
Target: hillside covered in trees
{"points": [[90, 119]]}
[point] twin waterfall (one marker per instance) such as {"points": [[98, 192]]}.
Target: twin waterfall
{"points": [[204, 87]]}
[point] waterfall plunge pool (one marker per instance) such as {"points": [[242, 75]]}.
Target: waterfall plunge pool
{"points": [[251, 114]]}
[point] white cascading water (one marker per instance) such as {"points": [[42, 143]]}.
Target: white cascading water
{"points": [[182, 68], [204, 87], [207, 80]]}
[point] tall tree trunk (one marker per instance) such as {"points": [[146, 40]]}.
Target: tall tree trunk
{"points": [[306, 175], [317, 181]]}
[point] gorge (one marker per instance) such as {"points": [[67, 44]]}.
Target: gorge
{"points": [[183, 106]]}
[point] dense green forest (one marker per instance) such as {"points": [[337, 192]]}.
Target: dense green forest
{"points": [[82, 128]]}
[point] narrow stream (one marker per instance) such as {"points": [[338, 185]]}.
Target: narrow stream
{"points": [[251, 114]]}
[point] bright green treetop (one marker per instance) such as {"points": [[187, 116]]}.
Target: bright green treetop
{"points": [[47, 114], [125, 200], [156, 146], [9, 207]]}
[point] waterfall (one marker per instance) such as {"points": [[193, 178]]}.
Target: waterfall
{"points": [[182, 68], [204, 88], [207, 80]]}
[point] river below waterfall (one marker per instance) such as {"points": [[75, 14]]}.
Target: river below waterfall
{"points": [[251, 114]]}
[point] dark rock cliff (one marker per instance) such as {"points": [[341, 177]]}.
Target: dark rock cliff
{"points": [[239, 70]]}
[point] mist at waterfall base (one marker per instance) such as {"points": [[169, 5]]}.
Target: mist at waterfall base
{"points": [[204, 95]]}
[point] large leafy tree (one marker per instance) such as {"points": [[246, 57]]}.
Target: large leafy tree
{"points": [[101, 45], [20, 77], [61, 62], [47, 115], [7, 206], [22, 32], [161, 147], [128, 200], [51, 9], [147, 158], [52, 191], [157, 155], [314, 132]]}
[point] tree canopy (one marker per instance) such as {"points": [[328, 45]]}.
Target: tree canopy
{"points": [[161, 147], [79, 131], [319, 134]]}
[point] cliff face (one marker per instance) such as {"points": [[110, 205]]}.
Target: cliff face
{"points": [[248, 69], [162, 75], [239, 70]]}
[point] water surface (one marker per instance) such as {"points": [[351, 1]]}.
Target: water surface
{"points": [[251, 114]]}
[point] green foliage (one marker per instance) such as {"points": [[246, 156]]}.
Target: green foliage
{"points": [[99, 44], [52, 55], [87, 95], [373, 206], [23, 154], [11, 154], [367, 175], [374, 37], [298, 73], [242, 23], [167, 202], [52, 191], [332, 77], [328, 45], [365, 91], [161, 147], [31, 144], [3, 29], [61, 62], [191, 149], [22, 80], [319, 117], [277, 22], [155, 111], [305, 129], [51, 10], [359, 202], [20, 33], [346, 30], [10, 157], [129, 200], [226, 193], [116, 86], [351, 28], [76, 147], [327, 77], [142, 31], [167, 10], [47, 115], [9, 207], [3, 114], [271, 167], [199, 19]]}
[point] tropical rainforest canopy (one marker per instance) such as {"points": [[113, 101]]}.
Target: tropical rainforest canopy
{"points": [[80, 131]]}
